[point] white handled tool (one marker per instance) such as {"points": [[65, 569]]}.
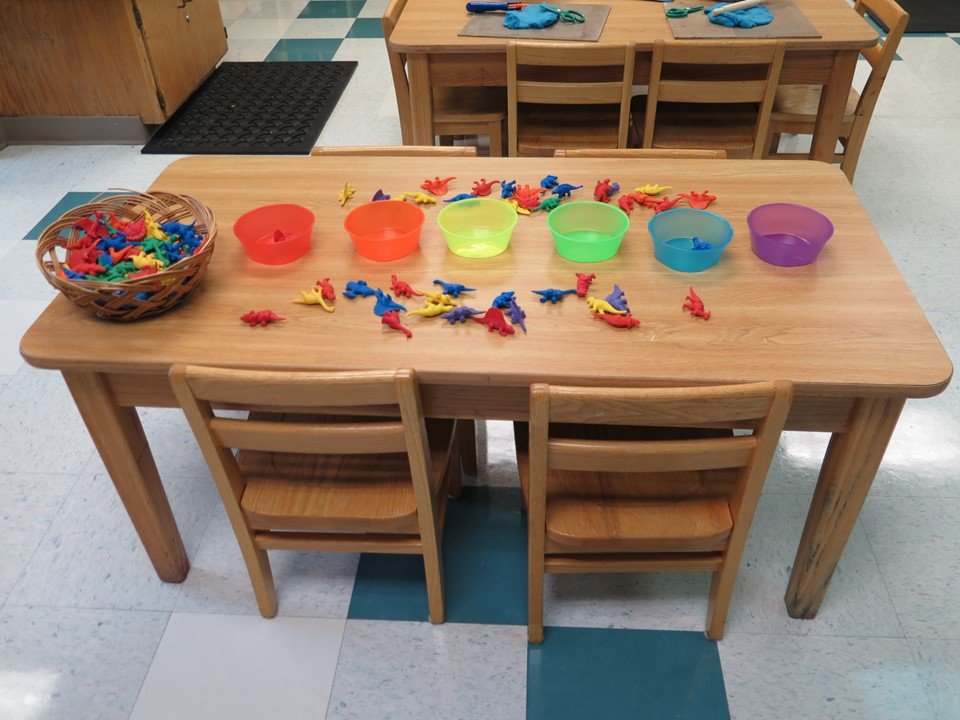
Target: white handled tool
{"points": [[743, 5]]}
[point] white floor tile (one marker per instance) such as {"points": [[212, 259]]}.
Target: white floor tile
{"points": [[320, 28], [21, 278], [308, 584], [70, 664], [417, 670], [374, 9], [230, 10], [259, 29], [771, 677], [15, 317], [939, 665], [917, 544], [249, 50], [232, 666], [269, 9]]}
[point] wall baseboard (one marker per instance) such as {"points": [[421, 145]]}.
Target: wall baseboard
{"points": [[73, 131]]}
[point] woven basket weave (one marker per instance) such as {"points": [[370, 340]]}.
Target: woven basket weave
{"points": [[119, 300]]}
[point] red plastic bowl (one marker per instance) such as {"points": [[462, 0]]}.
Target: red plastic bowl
{"points": [[385, 230], [257, 229]]}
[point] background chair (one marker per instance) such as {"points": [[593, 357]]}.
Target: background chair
{"points": [[327, 481], [456, 110], [702, 96], [603, 496], [398, 151], [666, 153], [796, 107], [562, 95]]}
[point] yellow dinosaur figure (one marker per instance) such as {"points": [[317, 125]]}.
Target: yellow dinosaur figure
{"points": [[601, 307], [652, 189], [141, 261], [419, 198], [314, 296], [516, 206], [153, 227], [438, 298], [348, 192], [432, 310]]}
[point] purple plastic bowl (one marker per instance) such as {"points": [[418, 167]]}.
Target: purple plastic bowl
{"points": [[788, 235]]}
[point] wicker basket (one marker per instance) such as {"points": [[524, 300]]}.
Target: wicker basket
{"points": [[119, 300]]}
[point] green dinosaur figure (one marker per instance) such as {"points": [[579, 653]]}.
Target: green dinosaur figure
{"points": [[548, 204]]}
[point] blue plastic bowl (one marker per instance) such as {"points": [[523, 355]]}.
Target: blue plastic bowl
{"points": [[673, 233]]}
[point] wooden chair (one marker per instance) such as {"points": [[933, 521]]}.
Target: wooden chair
{"points": [[796, 107], [662, 153], [559, 96], [397, 151], [609, 494], [324, 480], [716, 98], [456, 110]]}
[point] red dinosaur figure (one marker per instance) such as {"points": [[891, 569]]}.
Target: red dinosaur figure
{"points": [[482, 188], [621, 321], [261, 318], [698, 201], [402, 289], [527, 197], [583, 283], [665, 204], [148, 270], [626, 203], [695, 305], [136, 229], [603, 190], [326, 289], [494, 320], [88, 268], [436, 186], [121, 255], [392, 320]]}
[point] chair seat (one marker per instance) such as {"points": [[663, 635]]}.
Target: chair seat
{"points": [[701, 127], [541, 129], [339, 493], [469, 104], [799, 105]]}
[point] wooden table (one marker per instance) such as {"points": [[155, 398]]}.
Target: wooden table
{"points": [[845, 330], [437, 56]]}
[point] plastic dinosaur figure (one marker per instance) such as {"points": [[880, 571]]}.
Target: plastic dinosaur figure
{"points": [[504, 299], [452, 289], [392, 320], [432, 310], [666, 204], [261, 318], [516, 206], [437, 298], [621, 321], [437, 186], [403, 289], [698, 201], [618, 299], [314, 296], [380, 195], [695, 305], [600, 307], [507, 188], [604, 190], [516, 315], [550, 181], [699, 244], [348, 192], [528, 197], [386, 304], [563, 190], [626, 202], [652, 189], [548, 204], [419, 198], [583, 283], [482, 188], [460, 314], [461, 196], [327, 289], [358, 288], [495, 321], [552, 295]]}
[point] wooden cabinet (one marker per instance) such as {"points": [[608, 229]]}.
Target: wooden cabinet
{"points": [[74, 58]]}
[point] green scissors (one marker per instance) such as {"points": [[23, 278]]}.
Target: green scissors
{"points": [[676, 12], [565, 15]]}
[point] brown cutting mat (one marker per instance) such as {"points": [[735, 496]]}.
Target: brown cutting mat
{"points": [[788, 22], [491, 25]]}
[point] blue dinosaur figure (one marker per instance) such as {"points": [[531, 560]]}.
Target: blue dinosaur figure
{"points": [[563, 190], [380, 195], [460, 314], [385, 304], [461, 196], [550, 181], [358, 288], [507, 188], [452, 289], [552, 295], [516, 315], [618, 299], [503, 300], [699, 244]]}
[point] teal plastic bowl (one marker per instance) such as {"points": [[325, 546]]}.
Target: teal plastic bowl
{"points": [[673, 233], [586, 231]]}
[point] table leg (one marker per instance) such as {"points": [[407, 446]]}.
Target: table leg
{"points": [[118, 436], [833, 102], [851, 462], [467, 444], [421, 98]]}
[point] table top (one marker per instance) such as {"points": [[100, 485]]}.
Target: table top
{"points": [[429, 26], [846, 325]]}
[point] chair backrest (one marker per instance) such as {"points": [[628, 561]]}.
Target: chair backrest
{"points": [[762, 405], [881, 55], [697, 86], [398, 69], [398, 151], [559, 88], [198, 389], [665, 153]]}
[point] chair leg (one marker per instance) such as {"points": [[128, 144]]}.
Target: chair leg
{"points": [[535, 538], [434, 572], [721, 590], [466, 441], [496, 139], [261, 576], [851, 153]]}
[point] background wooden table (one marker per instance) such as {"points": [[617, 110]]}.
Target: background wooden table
{"points": [[437, 56], [845, 330]]}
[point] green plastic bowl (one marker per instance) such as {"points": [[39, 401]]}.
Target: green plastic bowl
{"points": [[478, 228], [586, 231]]}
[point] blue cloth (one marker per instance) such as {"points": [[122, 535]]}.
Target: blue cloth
{"points": [[749, 18], [532, 16]]}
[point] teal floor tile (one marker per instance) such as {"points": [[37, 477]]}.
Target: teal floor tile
{"points": [[332, 9], [366, 28], [624, 674], [292, 49], [484, 566], [67, 202]]}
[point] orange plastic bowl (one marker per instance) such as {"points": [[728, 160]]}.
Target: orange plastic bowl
{"points": [[256, 230], [385, 230]]}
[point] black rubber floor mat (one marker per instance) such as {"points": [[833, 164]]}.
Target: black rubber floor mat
{"points": [[932, 16], [255, 108]]}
